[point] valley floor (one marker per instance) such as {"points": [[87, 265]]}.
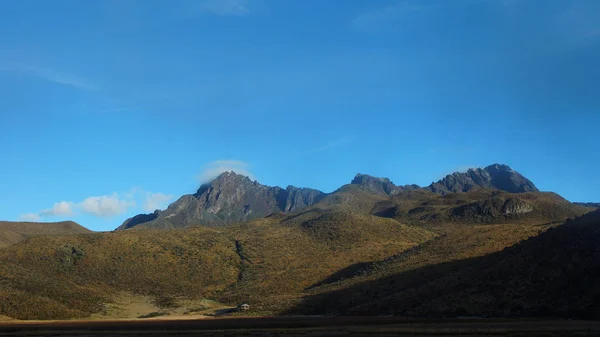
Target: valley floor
{"points": [[303, 326]]}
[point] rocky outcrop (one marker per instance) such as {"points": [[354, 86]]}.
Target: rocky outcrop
{"points": [[500, 177], [492, 208], [298, 198], [380, 185], [516, 206]]}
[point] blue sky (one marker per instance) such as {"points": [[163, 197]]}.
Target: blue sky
{"points": [[111, 108]]}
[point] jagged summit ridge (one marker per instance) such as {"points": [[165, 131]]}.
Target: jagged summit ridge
{"points": [[496, 176], [380, 185], [227, 199], [232, 197]]}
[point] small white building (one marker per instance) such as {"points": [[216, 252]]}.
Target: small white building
{"points": [[243, 307]]}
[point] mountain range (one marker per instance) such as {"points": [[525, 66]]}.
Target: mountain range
{"points": [[234, 198], [485, 242]]}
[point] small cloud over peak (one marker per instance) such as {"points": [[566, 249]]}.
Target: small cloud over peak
{"points": [[214, 169], [156, 201], [30, 217]]}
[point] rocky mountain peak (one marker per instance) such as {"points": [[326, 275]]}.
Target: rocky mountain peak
{"points": [[365, 179], [495, 176], [229, 198], [227, 178], [380, 185]]}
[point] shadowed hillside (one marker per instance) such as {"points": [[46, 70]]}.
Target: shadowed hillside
{"points": [[13, 232], [555, 274]]}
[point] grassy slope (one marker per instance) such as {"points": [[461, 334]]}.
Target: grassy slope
{"points": [[282, 260], [13, 232], [71, 276], [270, 263], [554, 274], [263, 262]]}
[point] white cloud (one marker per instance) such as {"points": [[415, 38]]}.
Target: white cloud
{"points": [[109, 205], [194, 8], [30, 217], [48, 74], [214, 169], [63, 208], [106, 205], [156, 201]]}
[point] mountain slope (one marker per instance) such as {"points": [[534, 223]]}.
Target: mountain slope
{"points": [[230, 198], [495, 176], [588, 204], [555, 274], [13, 232], [267, 262]]}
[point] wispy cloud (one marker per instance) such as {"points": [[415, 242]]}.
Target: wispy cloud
{"points": [[214, 169], [156, 201], [30, 217], [331, 145], [61, 78], [48, 74], [194, 8]]}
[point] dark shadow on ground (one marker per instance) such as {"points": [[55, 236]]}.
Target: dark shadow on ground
{"points": [[348, 272], [555, 274]]}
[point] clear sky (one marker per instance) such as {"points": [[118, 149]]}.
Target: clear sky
{"points": [[112, 108]]}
